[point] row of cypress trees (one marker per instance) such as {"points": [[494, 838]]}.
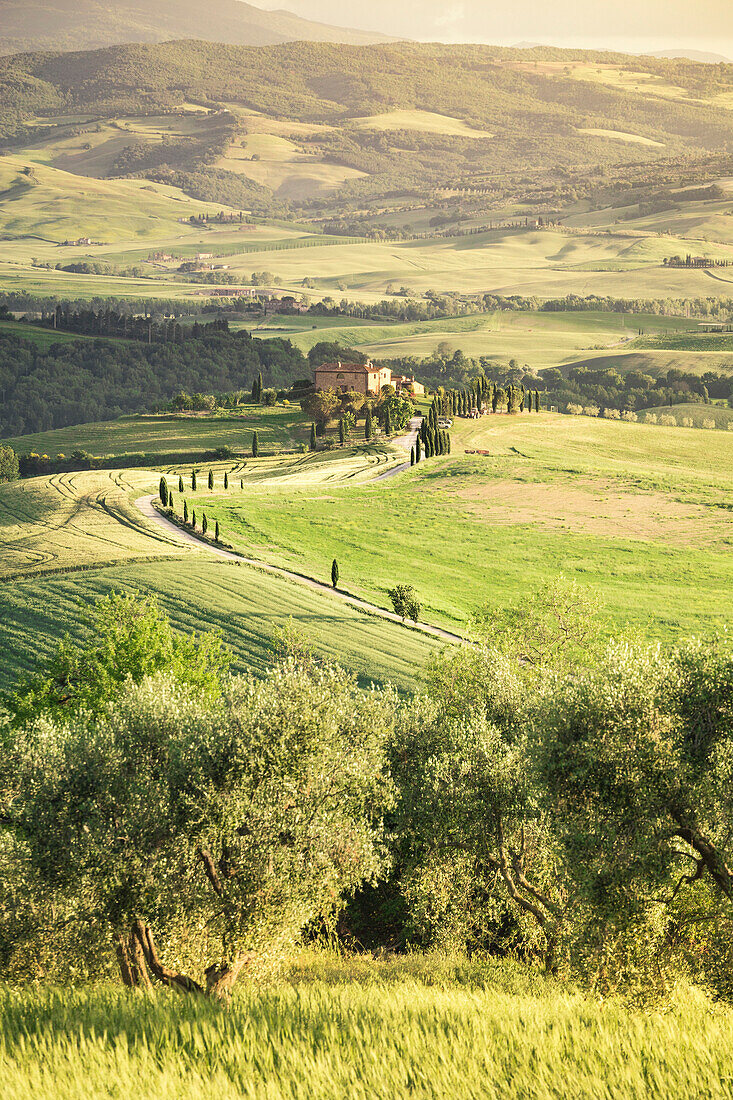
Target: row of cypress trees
{"points": [[431, 439], [204, 522], [166, 499], [483, 392]]}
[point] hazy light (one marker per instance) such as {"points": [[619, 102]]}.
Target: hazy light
{"points": [[630, 25]]}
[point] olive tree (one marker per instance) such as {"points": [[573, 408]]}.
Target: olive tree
{"points": [[204, 833], [483, 854], [638, 753]]}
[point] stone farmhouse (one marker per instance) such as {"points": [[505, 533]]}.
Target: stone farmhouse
{"points": [[362, 378]]}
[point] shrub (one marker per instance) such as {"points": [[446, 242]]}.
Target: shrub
{"points": [[574, 410], [405, 602], [708, 423], [629, 416], [591, 410], [611, 414]]}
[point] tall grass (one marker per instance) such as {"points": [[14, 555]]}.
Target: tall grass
{"points": [[363, 1031]]}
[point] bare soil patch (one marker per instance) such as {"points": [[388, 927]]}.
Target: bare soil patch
{"points": [[595, 507]]}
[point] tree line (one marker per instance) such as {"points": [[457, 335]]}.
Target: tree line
{"points": [[76, 382]]}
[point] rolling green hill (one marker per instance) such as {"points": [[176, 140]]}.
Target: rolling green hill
{"points": [[471, 168]]}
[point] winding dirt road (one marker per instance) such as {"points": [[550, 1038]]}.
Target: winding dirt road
{"points": [[145, 504]]}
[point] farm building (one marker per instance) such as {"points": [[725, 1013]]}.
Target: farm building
{"points": [[407, 382], [352, 377]]}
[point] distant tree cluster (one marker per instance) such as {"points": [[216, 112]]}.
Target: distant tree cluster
{"points": [[77, 382]]}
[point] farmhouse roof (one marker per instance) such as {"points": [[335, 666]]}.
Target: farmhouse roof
{"points": [[364, 368]]}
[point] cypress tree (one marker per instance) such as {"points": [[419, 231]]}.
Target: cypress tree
{"points": [[334, 573], [163, 492], [255, 445], [216, 531], [387, 421], [180, 484], [536, 401], [170, 502], [313, 444], [226, 480], [204, 524], [342, 431], [211, 479], [448, 439], [412, 456], [417, 449], [185, 511], [193, 481], [193, 519], [241, 483], [368, 429]]}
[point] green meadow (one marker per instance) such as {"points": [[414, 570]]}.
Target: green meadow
{"points": [[636, 512], [277, 429], [537, 338], [247, 606]]}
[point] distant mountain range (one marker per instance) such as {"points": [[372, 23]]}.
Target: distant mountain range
{"points": [[693, 55], [29, 25]]}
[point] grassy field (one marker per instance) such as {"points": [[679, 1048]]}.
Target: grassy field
{"points": [[48, 204], [199, 593], [426, 122], [540, 339], [365, 1030], [277, 429], [67, 539], [68, 521], [41, 210], [639, 513], [44, 337], [698, 414]]}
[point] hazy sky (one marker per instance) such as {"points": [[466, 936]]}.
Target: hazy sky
{"points": [[632, 25]]}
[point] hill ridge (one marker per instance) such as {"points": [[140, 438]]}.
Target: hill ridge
{"points": [[69, 25]]}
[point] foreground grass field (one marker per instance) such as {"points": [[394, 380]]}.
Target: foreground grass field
{"points": [[364, 1030]]}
